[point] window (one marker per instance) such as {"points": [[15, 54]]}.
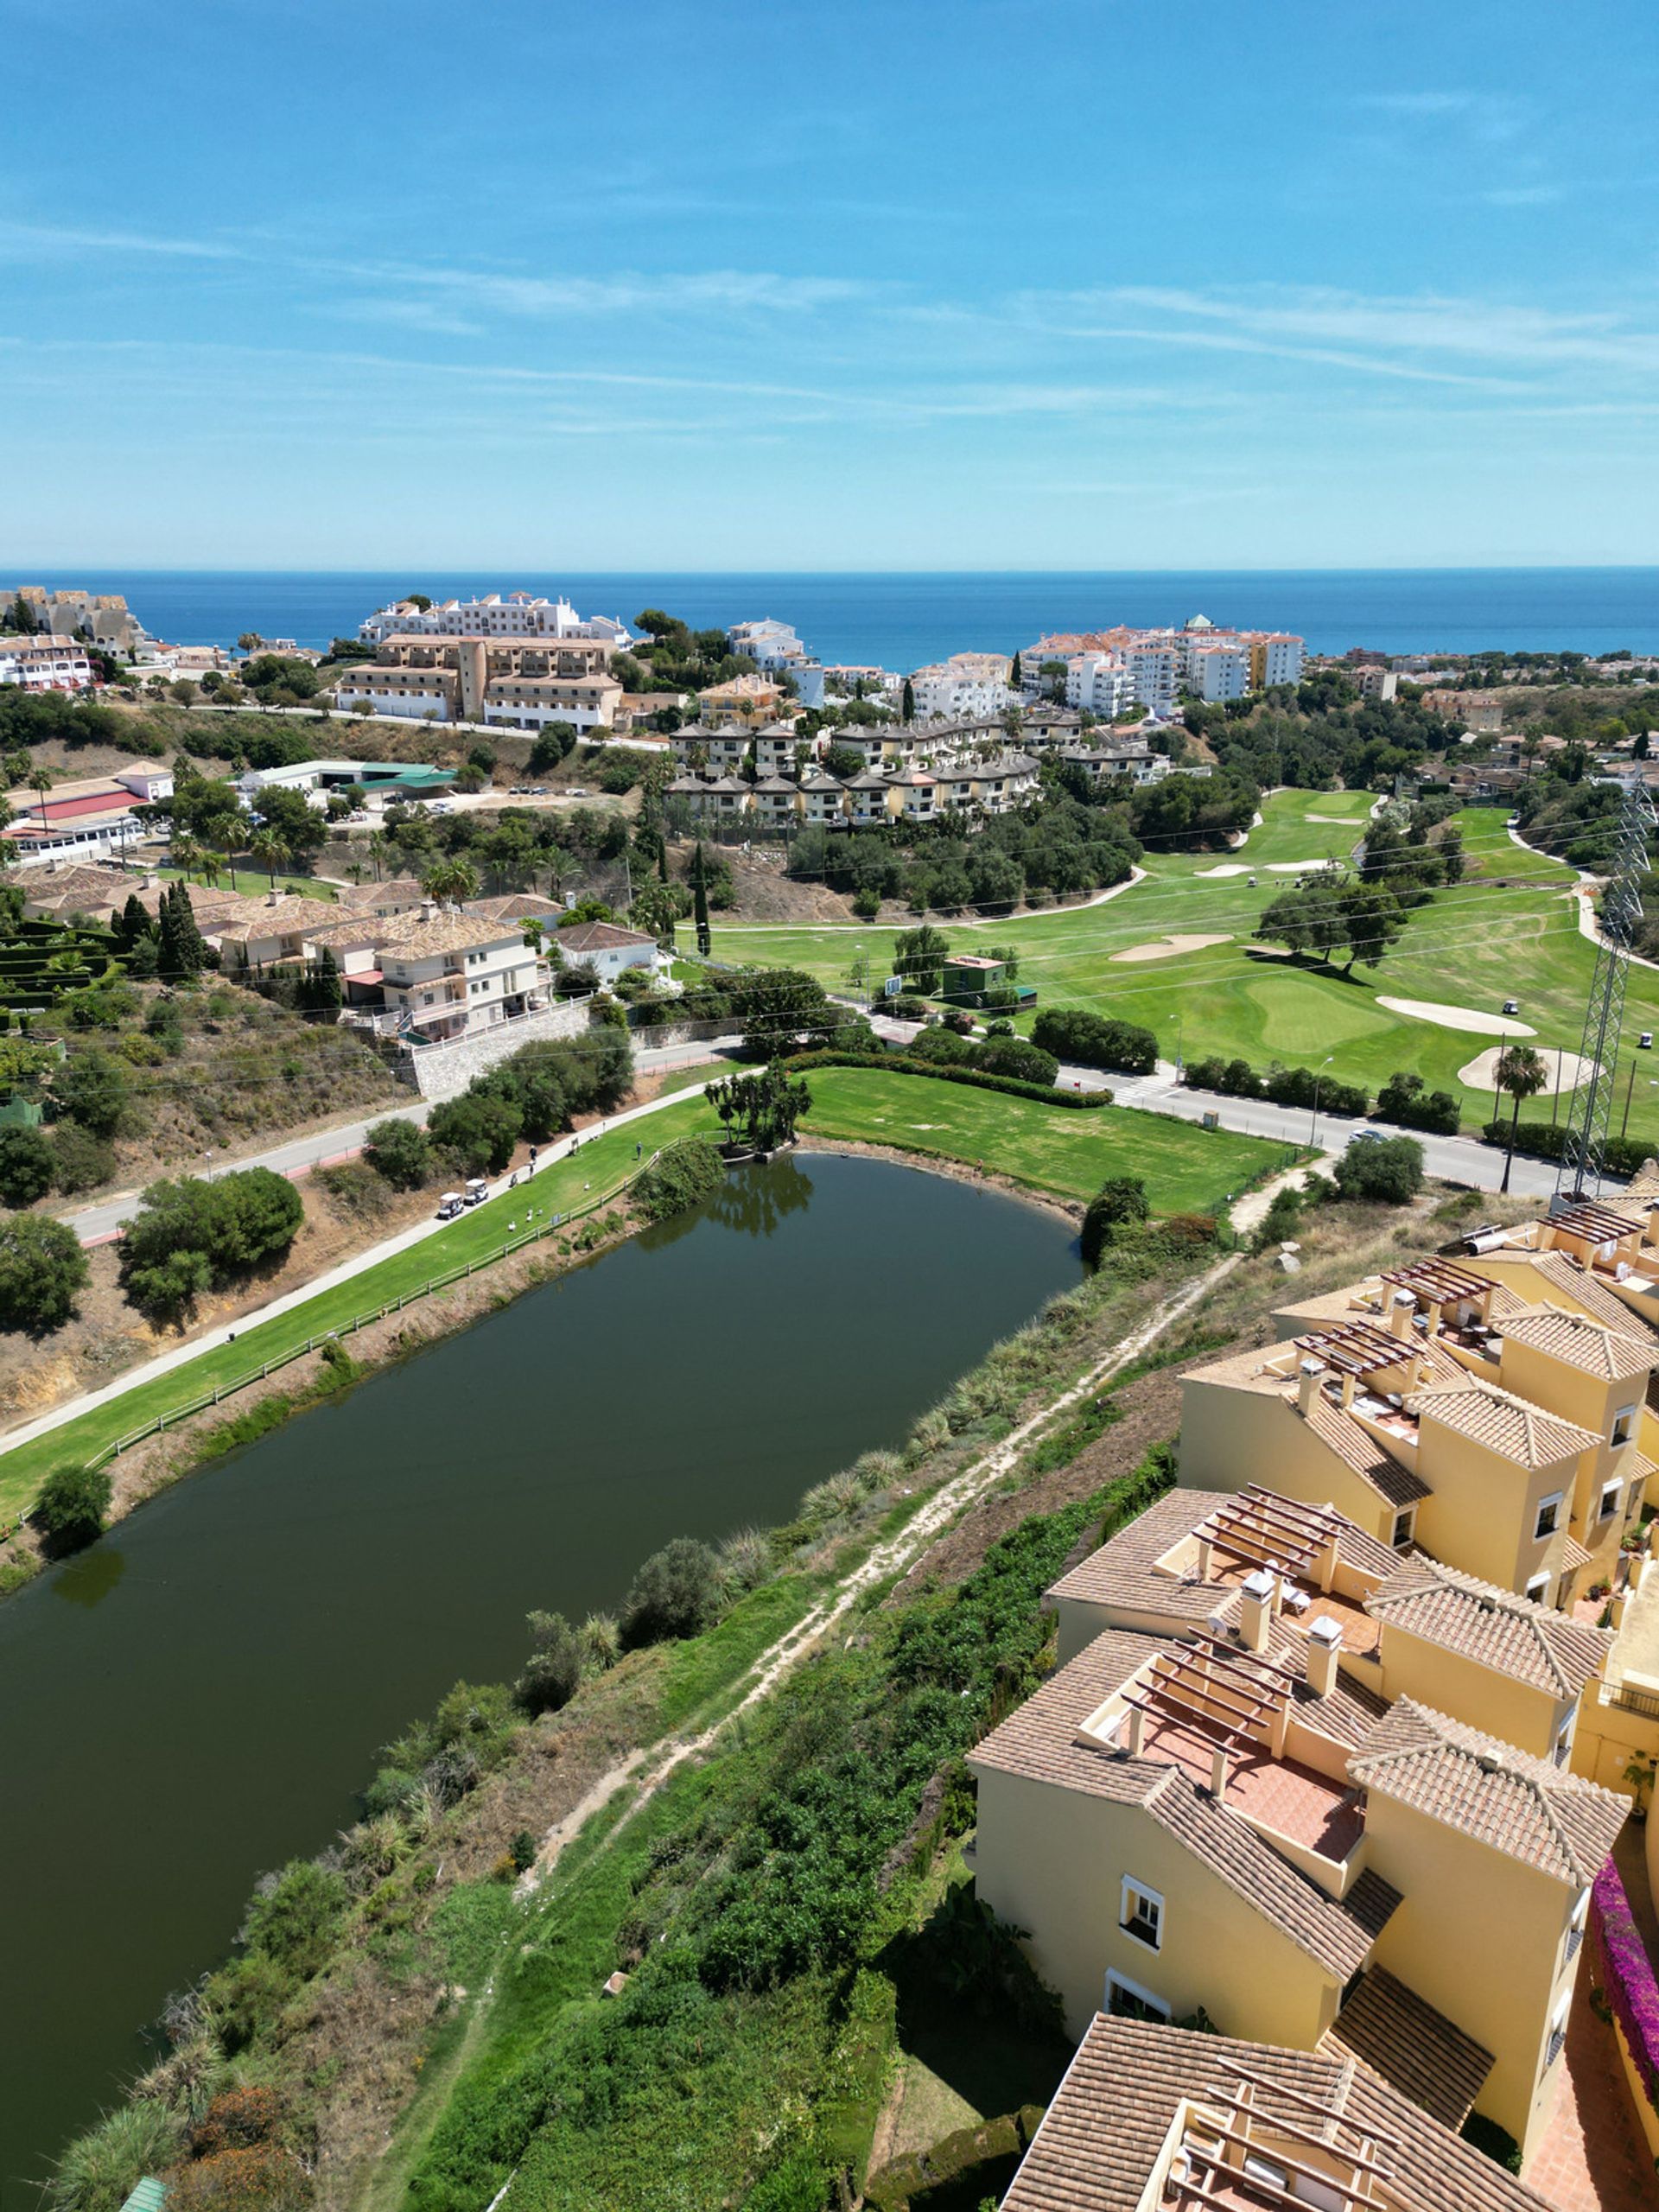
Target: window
{"points": [[1142, 1914], [1549, 1515], [1623, 1424], [1609, 1501], [1405, 1527], [1557, 2031], [1575, 1927], [1538, 1589], [1126, 2000]]}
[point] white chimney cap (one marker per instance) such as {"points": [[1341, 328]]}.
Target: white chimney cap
{"points": [[1312, 1367], [1325, 1631], [1404, 1297], [1259, 1585]]}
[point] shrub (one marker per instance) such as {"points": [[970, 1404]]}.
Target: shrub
{"points": [[26, 1166], [684, 1175], [676, 1592], [1016, 1056], [478, 1132], [171, 1284], [236, 2120], [1544, 1140], [71, 1508], [189, 1232], [746, 1559], [80, 1161], [553, 1670], [91, 1090], [1312, 1087], [866, 904], [41, 1268], [99, 2169], [401, 1152], [1120, 1203], [295, 1918], [1093, 1041], [1403, 1099], [354, 1191], [911, 1064], [1387, 1173]]}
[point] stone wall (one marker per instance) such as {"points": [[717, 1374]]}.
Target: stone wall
{"points": [[444, 1071]]}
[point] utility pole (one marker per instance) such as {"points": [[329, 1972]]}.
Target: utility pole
{"points": [[1584, 1150]]}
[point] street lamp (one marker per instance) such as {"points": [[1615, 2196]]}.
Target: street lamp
{"points": [[1179, 1019], [1319, 1077]]}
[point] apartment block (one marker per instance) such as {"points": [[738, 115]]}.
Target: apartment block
{"points": [[1227, 1801], [509, 615], [517, 683], [967, 684], [44, 662], [877, 795]]}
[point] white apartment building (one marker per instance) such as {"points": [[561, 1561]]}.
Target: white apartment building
{"points": [[1155, 672], [1098, 684], [767, 643], [49, 662], [966, 684], [1160, 662], [448, 974], [509, 615], [1219, 671]]}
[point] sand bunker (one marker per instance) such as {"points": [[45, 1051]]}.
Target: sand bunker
{"points": [[1166, 948], [1567, 1071], [1297, 867], [1227, 867], [1458, 1017]]}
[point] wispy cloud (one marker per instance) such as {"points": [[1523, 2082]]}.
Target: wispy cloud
{"points": [[33, 240], [1494, 118]]}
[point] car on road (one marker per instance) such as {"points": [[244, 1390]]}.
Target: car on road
{"points": [[1365, 1136]]}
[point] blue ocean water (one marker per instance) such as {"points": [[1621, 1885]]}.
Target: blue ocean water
{"points": [[901, 620]]}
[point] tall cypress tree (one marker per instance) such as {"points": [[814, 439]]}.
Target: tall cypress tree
{"points": [[134, 923], [908, 706], [1015, 677]]}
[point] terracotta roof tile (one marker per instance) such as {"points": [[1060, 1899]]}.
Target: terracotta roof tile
{"points": [[1358, 1449], [1102, 2135], [1512, 1427], [1609, 1354], [1532, 1643], [1563, 1272], [1416, 2049], [1526, 1807]]}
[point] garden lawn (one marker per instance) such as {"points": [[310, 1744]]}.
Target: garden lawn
{"points": [[1067, 1150], [605, 1163], [252, 882]]}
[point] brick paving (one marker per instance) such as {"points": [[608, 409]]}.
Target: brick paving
{"points": [[1592, 2156]]}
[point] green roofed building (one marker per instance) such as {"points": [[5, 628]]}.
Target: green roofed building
{"points": [[146, 2196]]}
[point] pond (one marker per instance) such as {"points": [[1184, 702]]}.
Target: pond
{"points": [[198, 1697]]}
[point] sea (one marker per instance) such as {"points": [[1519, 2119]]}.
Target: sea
{"points": [[904, 620]]}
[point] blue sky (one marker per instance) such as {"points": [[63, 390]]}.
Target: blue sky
{"points": [[996, 283]]}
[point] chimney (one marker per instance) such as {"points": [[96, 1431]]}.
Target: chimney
{"points": [[428, 909], [1220, 1761], [1258, 1604], [1207, 1556], [1309, 1382], [1348, 1388], [1324, 1641], [1436, 1314], [1400, 1309]]}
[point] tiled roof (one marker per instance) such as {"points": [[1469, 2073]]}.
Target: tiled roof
{"points": [[1102, 2135], [256, 917], [1565, 1272], [599, 936], [1416, 2049], [1535, 1644], [376, 895], [1039, 1742], [1526, 1807], [1119, 1572], [421, 937], [516, 907], [1360, 1450], [1513, 1428], [1610, 1354]]}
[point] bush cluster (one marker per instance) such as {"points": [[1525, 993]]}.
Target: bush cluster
{"points": [[533, 1095], [1093, 1041], [1404, 1099], [190, 1234], [1545, 1140], [681, 1178], [908, 1063], [42, 1268], [946, 1046], [1284, 1086], [1388, 1172]]}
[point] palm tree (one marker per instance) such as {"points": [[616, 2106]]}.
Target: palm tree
{"points": [[207, 865], [187, 855], [379, 844], [356, 871], [451, 882], [1522, 1073], [227, 838], [268, 848]]}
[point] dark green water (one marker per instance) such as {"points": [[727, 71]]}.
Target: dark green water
{"points": [[197, 1698]]}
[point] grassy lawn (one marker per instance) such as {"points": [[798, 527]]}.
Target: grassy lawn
{"points": [[251, 880], [604, 1163], [1474, 946], [1073, 1151]]}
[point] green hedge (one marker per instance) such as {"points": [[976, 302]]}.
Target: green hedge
{"points": [[1544, 1140], [902, 1064]]}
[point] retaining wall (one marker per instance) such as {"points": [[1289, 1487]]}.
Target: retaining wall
{"points": [[443, 1072]]}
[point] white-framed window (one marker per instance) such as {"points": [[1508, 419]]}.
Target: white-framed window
{"points": [[1127, 2000], [1549, 1515], [1624, 1425], [1577, 1924], [1405, 1527], [1609, 1501], [1142, 1914], [1538, 1589]]}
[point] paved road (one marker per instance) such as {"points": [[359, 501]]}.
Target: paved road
{"points": [[97, 1225], [1454, 1160]]}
